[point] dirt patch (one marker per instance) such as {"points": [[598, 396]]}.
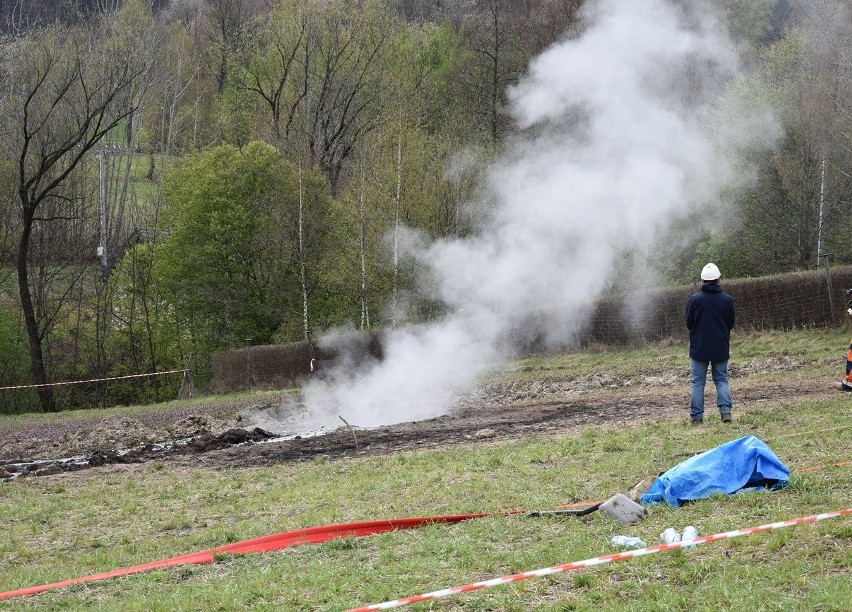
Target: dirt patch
{"points": [[220, 434]]}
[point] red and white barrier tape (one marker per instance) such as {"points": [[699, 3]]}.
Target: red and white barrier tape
{"points": [[598, 561], [80, 382]]}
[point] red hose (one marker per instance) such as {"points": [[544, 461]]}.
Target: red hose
{"points": [[311, 535]]}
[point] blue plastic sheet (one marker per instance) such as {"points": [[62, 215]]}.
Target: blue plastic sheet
{"points": [[743, 464]]}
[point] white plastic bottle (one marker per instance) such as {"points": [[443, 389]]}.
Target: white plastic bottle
{"points": [[689, 533], [670, 536], [628, 542]]}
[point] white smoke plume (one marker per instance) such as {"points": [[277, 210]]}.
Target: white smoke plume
{"points": [[613, 144]]}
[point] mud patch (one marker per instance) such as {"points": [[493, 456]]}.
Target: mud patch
{"points": [[780, 363], [227, 433], [10, 469]]}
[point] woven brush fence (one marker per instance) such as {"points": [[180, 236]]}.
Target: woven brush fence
{"points": [[785, 301], [284, 365]]}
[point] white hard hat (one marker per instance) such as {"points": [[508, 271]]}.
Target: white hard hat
{"points": [[710, 272]]}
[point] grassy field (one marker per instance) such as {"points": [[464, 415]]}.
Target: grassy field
{"points": [[60, 527]]}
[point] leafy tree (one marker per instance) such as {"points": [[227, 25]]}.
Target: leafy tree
{"points": [[219, 204], [827, 29], [400, 185], [231, 264], [757, 23], [172, 110], [439, 50], [147, 336], [13, 359], [803, 190], [392, 182]]}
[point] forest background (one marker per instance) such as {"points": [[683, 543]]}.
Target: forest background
{"points": [[184, 177]]}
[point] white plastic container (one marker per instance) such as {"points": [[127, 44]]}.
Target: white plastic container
{"points": [[689, 533], [628, 542], [670, 536]]}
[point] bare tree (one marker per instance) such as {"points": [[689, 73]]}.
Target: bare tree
{"points": [[493, 61], [549, 21], [225, 26], [278, 67], [344, 92], [70, 88]]}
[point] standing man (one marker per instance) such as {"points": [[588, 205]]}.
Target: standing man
{"points": [[710, 318]]}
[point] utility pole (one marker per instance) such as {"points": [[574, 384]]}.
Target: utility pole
{"points": [[825, 257], [186, 386]]}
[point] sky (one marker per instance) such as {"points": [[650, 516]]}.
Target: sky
{"points": [[616, 138]]}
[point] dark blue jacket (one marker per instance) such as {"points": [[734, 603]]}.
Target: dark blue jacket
{"points": [[710, 318]]}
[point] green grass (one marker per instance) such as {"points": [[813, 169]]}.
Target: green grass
{"points": [[803, 345], [61, 527]]}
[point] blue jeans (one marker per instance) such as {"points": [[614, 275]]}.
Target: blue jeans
{"points": [[699, 378]]}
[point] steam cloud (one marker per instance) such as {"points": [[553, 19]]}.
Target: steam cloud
{"points": [[614, 144]]}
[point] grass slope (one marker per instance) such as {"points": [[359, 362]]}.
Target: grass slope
{"points": [[54, 528]]}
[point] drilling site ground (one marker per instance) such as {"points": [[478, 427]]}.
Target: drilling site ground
{"points": [[223, 432]]}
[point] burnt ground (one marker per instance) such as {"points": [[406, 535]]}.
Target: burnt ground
{"points": [[220, 432]]}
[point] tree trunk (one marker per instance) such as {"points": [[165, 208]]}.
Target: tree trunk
{"points": [[302, 275], [45, 393], [365, 311], [396, 225]]}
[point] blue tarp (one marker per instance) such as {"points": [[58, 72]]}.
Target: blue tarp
{"points": [[738, 465]]}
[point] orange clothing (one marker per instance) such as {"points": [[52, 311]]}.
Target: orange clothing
{"points": [[847, 382]]}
